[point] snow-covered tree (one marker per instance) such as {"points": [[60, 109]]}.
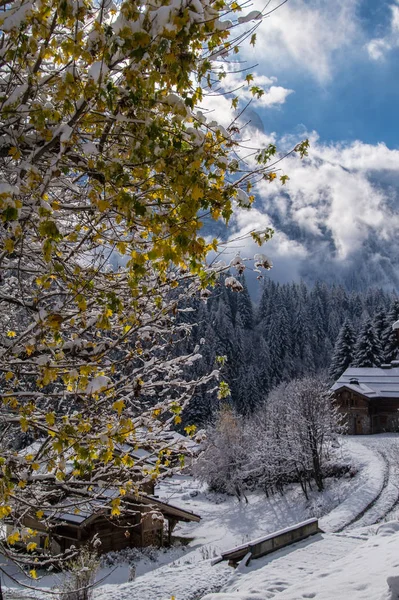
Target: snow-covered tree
{"points": [[222, 463], [107, 168], [343, 352], [309, 424], [244, 306], [368, 351], [389, 340]]}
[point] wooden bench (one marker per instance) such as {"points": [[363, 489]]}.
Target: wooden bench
{"points": [[271, 542]]}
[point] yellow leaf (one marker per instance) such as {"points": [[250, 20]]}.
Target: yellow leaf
{"points": [[33, 574], [196, 192], [103, 205], [31, 546], [11, 334], [115, 507], [4, 511], [24, 424], [39, 514], [9, 245], [14, 152], [118, 406], [9, 375], [13, 538], [50, 419]]}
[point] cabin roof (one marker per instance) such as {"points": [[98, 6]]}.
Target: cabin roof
{"points": [[170, 509], [71, 510], [370, 382]]}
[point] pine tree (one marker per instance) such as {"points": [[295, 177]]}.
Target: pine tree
{"points": [[343, 352], [389, 339], [244, 305], [380, 323], [368, 351]]}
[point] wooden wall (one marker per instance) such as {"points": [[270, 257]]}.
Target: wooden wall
{"points": [[364, 416]]}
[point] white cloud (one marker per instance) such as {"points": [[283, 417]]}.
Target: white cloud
{"points": [[332, 193], [379, 47], [217, 104], [274, 95], [306, 35]]}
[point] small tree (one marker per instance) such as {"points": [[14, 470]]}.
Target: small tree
{"points": [[222, 463], [79, 579], [310, 424]]}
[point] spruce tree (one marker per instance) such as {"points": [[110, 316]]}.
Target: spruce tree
{"points": [[244, 305], [389, 339], [343, 351], [380, 323], [368, 351]]}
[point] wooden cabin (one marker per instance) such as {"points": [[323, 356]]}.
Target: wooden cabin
{"points": [[369, 398], [144, 521]]}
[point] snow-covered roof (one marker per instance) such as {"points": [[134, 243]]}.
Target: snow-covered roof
{"points": [[371, 382], [76, 511]]}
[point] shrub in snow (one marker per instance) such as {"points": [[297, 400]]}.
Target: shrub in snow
{"points": [[291, 438], [80, 577], [222, 463]]}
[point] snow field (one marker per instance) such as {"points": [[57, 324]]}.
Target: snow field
{"points": [[324, 571], [186, 572]]}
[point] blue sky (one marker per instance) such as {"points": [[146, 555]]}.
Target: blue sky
{"points": [[359, 99]]}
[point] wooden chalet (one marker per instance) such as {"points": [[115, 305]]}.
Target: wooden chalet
{"points": [[144, 521], [369, 398]]}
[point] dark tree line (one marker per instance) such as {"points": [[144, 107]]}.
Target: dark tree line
{"points": [[291, 332], [374, 344]]}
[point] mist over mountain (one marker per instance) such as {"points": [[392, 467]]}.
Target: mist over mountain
{"points": [[336, 219]]}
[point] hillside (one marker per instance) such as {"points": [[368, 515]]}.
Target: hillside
{"points": [[368, 496]]}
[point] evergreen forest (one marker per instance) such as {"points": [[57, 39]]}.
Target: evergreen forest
{"points": [[294, 330]]}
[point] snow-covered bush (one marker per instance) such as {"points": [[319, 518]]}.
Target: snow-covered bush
{"points": [[79, 580], [291, 438], [222, 464]]}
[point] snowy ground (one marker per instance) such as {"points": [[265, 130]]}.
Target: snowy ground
{"points": [[321, 569], [186, 572]]}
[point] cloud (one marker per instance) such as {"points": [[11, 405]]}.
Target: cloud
{"points": [[274, 95], [307, 35], [333, 191], [339, 204], [377, 48], [217, 104]]}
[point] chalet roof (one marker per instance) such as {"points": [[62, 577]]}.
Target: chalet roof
{"points": [[371, 382], [171, 510], [72, 511]]}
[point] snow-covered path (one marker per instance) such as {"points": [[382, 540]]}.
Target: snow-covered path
{"points": [[326, 569], [376, 491], [386, 505]]}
